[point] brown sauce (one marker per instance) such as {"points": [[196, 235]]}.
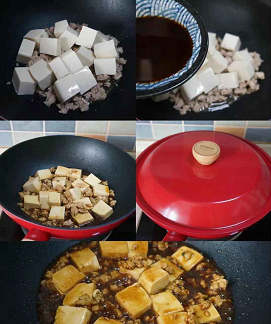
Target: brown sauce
{"points": [[163, 47]]}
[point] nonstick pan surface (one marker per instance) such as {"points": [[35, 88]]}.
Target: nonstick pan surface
{"points": [[104, 160], [251, 21], [246, 264], [116, 18]]}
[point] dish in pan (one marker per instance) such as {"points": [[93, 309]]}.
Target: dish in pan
{"points": [[63, 197], [134, 283]]}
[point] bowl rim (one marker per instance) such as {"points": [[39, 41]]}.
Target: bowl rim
{"points": [[142, 94]]}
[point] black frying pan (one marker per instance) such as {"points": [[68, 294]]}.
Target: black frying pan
{"points": [[115, 17], [249, 19], [246, 264], [104, 160]]}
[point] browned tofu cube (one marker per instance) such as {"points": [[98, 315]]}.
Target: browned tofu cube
{"points": [[153, 280], [114, 249], [135, 273], [72, 315], [82, 219], [187, 257], [85, 260], [166, 303], [207, 315], [66, 278], [171, 268], [176, 318], [81, 291], [134, 300], [138, 248], [105, 320]]}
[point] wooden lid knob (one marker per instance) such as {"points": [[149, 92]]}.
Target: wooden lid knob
{"points": [[206, 152]]}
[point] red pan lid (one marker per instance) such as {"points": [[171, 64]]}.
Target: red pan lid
{"points": [[226, 196]]}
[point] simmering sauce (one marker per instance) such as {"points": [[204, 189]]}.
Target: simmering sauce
{"points": [[163, 47]]}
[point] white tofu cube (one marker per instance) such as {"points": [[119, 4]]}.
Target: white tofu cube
{"points": [[60, 26], [74, 173], [33, 184], [166, 303], [212, 38], [54, 199], [50, 46], [36, 35], [61, 171], [113, 249], [218, 62], [76, 193], [85, 55], [59, 68], [243, 55], [138, 249], [164, 263], [105, 50], [82, 219], [105, 66], [71, 61], [92, 180], [135, 273], [44, 174], [207, 315], [80, 184], [161, 97], [68, 38], [86, 37], [42, 73], [228, 80], [212, 44], [231, 42], [59, 181], [205, 65], [100, 190], [153, 280], [66, 88], [100, 37], [176, 318], [244, 69], [102, 209], [31, 202], [208, 79], [82, 289], [57, 213], [187, 257], [85, 260], [191, 89], [23, 82], [44, 199], [85, 79], [25, 51], [86, 202]]}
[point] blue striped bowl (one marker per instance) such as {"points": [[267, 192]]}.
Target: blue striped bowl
{"points": [[181, 12]]}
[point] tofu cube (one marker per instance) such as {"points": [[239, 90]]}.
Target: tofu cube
{"points": [[175, 318], [100, 37], [135, 273], [80, 184], [76, 193], [244, 69], [173, 270], [191, 89], [42, 73], [82, 219], [212, 38], [57, 213], [161, 97], [231, 42], [228, 80], [61, 171], [105, 66], [44, 199], [66, 278], [59, 181], [72, 315], [23, 82], [92, 180], [243, 55], [44, 174], [85, 260], [54, 199], [71, 61], [36, 35], [105, 320], [212, 44], [105, 50], [85, 79], [205, 65], [33, 184], [86, 37], [66, 88], [166, 303], [25, 51], [50, 46], [102, 209], [59, 68], [60, 26], [153, 280], [208, 80], [218, 62], [207, 315], [100, 190], [85, 55], [134, 300], [82, 289], [114, 249], [68, 38], [86, 202], [31, 202], [138, 248], [187, 257]]}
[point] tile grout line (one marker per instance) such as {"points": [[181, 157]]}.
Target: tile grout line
{"points": [[107, 131], [12, 132], [76, 127], [152, 129]]}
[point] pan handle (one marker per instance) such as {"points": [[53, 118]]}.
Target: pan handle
{"points": [[174, 236], [37, 235]]}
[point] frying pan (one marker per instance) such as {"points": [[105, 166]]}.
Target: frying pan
{"points": [[104, 160], [251, 21], [246, 264], [111, 17]]}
